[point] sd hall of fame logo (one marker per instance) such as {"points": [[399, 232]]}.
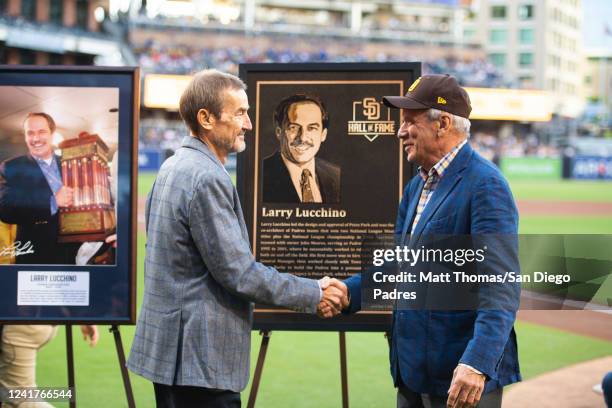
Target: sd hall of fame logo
{"points": [[371, 119]]}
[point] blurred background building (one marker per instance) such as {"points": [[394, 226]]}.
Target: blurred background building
{"points": [[598, 79], [536, 44], [55, 32], [549, 85]]}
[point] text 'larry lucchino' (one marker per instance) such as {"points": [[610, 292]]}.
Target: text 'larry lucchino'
{"points": [[298, 212], [53, 278]]}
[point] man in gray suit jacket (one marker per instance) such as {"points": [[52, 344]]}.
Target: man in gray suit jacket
{"points": [[193, 334]]}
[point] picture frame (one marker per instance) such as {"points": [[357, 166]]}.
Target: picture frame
{"points": [[95, 113], [358, 141]]}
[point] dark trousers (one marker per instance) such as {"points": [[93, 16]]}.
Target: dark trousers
{"points": [[606, 386], [406, 398], [178, 396]]}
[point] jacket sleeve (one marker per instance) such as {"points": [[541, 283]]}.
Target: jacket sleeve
{"points": [[217, 234], [494, 224], [21, 203]]}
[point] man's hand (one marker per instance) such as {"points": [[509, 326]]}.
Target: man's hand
{"points": [[465, 389], [64, 197], [335, 297], [90, 333], [112, 240]]}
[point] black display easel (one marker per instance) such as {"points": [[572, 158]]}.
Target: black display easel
{"points": [[263, 349], [120, 355]]}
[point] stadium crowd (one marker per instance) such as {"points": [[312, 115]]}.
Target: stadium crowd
{"points": [[166, 135], [161, 134], [175, 58], [493, 147], [154, 57]]}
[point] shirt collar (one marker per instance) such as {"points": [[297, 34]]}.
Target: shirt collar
{"points": [[297, 169], [47, 162], [195, 143], [439, 168]]}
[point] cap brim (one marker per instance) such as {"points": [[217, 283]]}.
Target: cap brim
{"points": [[403, 102]]}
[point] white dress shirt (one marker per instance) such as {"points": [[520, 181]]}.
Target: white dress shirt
{"points": [[295, 172]]}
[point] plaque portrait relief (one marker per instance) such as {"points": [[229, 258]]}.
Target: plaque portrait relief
{"points": [[294, 173]]}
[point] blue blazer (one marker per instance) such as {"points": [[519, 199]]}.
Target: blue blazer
{"points": [[471, 198], [25, 200]]}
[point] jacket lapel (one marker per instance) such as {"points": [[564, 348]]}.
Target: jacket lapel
{"points": [[37, 174], [284, 184], [58, 162], [410, 212], [321, 182], [451, 177]]}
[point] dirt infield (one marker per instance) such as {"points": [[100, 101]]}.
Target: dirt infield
{"points": [[546, 207], [569, 387], [572, 386], [583, 322]]}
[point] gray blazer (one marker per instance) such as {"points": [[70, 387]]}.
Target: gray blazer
{"points": [[195, 321]]}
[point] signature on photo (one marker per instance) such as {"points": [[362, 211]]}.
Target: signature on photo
{"points": [[18, 249]]}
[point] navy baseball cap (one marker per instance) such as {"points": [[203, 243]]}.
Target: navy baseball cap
{"points": [[434, 91]]}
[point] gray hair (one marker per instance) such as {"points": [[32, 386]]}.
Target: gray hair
{"points": [[205, 91], [460, 123]]}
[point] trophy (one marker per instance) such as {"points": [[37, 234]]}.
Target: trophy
{"points": [[91, 217]]}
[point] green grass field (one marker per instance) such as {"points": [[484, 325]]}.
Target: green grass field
{"points": [[581, 191], [302, 368], [561, 190]]}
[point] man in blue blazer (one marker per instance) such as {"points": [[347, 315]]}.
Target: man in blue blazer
{"points": [[31, 192], [450, 358]]}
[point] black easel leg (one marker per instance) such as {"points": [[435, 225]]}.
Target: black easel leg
{"points": [[70, 359], [343, 370], [259, 367], [127, 385]]}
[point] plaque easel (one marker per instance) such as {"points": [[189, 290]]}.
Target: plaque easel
{"points": [[263, 349], [127, 385]]}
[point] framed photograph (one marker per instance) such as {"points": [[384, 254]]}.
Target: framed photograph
{"points": [[68, 203], [323, 173]]}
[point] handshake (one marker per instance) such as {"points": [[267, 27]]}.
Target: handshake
{"points": [[334, 299]]}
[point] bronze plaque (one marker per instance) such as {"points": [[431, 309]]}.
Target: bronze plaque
{"points": [[78, 151], [79, 222]]}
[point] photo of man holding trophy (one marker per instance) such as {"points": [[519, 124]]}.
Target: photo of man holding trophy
{"points": [[31, 193], [57, 196]]}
